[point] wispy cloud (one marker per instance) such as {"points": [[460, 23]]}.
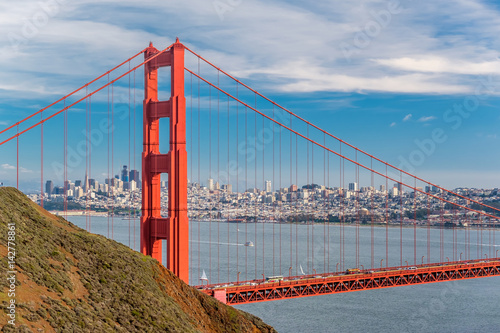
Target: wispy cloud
{"points": [[3, 123], [24, 170], [426, 119], [286, 45], [407, 117], [393, 124], [7, 167]]}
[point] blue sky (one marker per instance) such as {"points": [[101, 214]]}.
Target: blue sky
{"points": [[382, 75]]}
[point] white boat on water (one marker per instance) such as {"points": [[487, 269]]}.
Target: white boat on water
{"points": [[249, 243], [203, 277]]}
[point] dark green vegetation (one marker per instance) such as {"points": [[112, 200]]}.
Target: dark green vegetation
{"points": [[70, 205], [72, 281]]}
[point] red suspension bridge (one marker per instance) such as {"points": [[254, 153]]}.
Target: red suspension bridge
{"points": [[224, 198]]}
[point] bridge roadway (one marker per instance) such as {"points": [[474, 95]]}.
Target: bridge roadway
{"points": [[263, 290]]}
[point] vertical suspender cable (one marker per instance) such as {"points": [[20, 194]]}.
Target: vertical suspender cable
{"points": [[218, 180], [86, 157], [263, 202], [415, 224], [227, 190], [255, 185], [428, 230], [199, 168], [112, 159], [312, 199], [109, 155], [291, 198], [41, 161], [210, 176], [237, 181], [90, 158], [129, 153], [401, 218], [247, 197], [281, 203], [17, 158], [328, 205], [272, 201], [135, 157], [386, 217], [325, 205], [372, 216], [307, 183], [342, 188]]}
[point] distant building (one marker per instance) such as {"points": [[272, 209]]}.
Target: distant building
{"points": [[228, 188], [134, 175], [293, 188], [85, 185], [78, 192], [395, 191], [267, 186], [124, 174], [211, 184], [94, 184], [353, 186], [49, 187]]}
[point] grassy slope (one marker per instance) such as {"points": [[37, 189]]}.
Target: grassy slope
{"points": [[71, 280]]}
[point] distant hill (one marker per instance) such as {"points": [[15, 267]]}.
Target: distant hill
{"points": [[72, 281]]}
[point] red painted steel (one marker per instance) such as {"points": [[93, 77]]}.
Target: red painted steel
{"points": [[174, 228], [332, 283]]}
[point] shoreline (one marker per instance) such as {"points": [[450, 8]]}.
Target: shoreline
{"points": [[368, 225]]}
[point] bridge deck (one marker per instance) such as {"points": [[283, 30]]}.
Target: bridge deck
{"points": [[331, 283]]}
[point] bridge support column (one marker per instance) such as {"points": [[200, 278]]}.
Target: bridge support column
{"points": [[174, 228]]}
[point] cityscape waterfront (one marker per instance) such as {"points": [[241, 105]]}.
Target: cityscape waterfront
{"points": [[294, 204]]}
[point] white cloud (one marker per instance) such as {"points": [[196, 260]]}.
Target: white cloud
{"points": [[428, 48], [407, 117], [24, 170], [442, 65], [393, 124], [426, 119], [8, 167], [4, 123]]}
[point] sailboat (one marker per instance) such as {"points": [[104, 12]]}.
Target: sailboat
{"points": [[301, 270], [203, 277]]}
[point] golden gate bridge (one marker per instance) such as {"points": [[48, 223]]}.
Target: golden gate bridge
{"points": [[221, 129]]}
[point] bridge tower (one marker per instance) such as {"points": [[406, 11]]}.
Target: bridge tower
{"points": [[174, 228]]}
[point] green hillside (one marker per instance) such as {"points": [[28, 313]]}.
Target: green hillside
{"points": [[72, 281]]}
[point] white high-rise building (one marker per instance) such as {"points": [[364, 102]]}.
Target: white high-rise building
{"points": [[78, 193], [211, 184], [268, 186], [395, 191]]}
